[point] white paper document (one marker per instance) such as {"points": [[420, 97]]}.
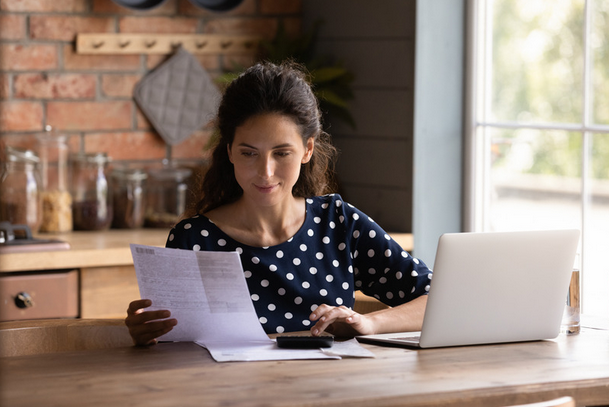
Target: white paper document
{"points": [[206, 292]]}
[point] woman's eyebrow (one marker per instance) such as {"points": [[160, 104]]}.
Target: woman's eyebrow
{"points": [[285, 145]]}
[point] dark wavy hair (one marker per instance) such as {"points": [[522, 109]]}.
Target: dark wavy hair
{"points": [[268, 88]]}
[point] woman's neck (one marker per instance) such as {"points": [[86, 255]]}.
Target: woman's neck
{"points": [[260, 227]]}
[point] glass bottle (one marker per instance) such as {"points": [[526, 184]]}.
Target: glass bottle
{"points": [[20, 189], [129, 199], [56, 199], [91, 193], [167, 196]]}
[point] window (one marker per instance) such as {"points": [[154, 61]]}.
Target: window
{"points": [[538, 125]]}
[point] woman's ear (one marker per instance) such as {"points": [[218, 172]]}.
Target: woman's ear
{"points": [[309, 147], [230, 154]]}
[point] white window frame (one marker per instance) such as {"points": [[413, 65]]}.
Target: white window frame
{"points": [[476, 162]]}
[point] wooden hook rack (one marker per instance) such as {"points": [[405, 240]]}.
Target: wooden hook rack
{"points": [[165, 43]]}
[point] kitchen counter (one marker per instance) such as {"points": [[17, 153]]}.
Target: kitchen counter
{"points": [[87, 249]]}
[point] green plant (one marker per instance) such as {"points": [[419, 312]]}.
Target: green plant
{"points": [[330, 79]]}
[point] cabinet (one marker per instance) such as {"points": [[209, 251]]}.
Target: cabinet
{"points": [[95, 278]]}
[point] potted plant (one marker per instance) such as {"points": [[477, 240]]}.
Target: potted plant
{"points": [[330, 79]]}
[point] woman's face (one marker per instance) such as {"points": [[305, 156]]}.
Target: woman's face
{"points": [[267, 153]]}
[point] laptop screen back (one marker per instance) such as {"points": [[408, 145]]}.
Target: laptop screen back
{"points": [[498, 287]]}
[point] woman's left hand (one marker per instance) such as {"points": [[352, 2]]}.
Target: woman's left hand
{"points": [[340, 321]]}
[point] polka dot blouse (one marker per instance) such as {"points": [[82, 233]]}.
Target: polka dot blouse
{"points": [[337, 251]]}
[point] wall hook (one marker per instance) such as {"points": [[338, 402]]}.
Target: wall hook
{"points": [[164, 44]]}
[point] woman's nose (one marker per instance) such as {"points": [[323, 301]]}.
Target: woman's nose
{"points": [[265, 167]]}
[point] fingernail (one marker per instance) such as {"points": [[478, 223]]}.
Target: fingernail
{"points": [[313, 316]]}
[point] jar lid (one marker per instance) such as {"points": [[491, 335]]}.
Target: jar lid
{"points": [[94, 158], [170, 173], [21, 155], [131, 174], [51, 135]]}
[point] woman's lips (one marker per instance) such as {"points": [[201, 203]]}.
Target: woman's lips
{"points": [[265, 188]]}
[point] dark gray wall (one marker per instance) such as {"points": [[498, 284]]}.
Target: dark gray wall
{"points": [[402, 164], [375, 40]]}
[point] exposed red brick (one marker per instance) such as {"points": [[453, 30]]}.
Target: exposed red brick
{"points": [[65, 28], [159, 25], [44, 5], [74, 61], [264, 27], [237, 62], [209, 62], [138, 145], [12, 27], [293, 26], [106, 6], [5, 86], [52, 86], [36, 57], [142, 122], [154, 60], [118, 85], [21, 116], [193, 147], [22, 140], [280, 6], [247, 7], [114, 115]]}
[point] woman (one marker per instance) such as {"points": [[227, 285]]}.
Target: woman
{"points": [[304, 254]]}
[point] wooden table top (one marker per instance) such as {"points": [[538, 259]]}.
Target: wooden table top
{"points": [[102, 249], [184, 374]]}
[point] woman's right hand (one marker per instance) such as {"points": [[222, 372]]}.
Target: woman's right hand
{"points": [[146, 326]]}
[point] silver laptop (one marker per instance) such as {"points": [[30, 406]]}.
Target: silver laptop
{"points": [[494, 287]]}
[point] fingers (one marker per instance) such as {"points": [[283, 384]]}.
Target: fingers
{"points": [[146, 326], [326, 316], [137, 306], [147, 333]]}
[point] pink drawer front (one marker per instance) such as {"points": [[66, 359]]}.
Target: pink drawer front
{"points": [[39, 295]]}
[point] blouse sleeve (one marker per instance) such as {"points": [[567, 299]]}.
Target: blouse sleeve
{"points": [[382, 269]]}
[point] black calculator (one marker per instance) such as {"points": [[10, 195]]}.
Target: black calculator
{"points": [[304, 342]]}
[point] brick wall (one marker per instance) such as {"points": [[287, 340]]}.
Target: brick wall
{"points": [[89, 97]]}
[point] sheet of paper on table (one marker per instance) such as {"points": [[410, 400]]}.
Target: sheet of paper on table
{"points": [[206, 292]]}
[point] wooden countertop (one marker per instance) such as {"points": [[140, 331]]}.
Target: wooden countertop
{"points": [[87, 249], [102, 249], [184, 374]]}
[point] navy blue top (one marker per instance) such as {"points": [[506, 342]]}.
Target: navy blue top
{"points": [[337, 250]]}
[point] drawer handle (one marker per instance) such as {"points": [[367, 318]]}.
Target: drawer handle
{"points": [[24, 300]]}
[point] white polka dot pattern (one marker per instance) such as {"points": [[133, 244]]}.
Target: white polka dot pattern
{"points": [[338, 249]]}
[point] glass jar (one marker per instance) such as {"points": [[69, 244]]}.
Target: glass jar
{"points": [[128, 196], [56, 199], [20, 189], [167, 196], [91, 193]]}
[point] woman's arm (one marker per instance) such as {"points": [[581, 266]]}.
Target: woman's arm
{"points": [[344, 322]]}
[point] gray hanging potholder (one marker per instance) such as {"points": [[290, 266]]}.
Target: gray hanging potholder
{"points": [[178, 97]]}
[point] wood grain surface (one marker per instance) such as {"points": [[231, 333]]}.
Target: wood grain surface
{"points": [[184, 374]]}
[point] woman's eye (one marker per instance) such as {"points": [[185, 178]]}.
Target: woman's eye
{"points": [[282, 153], [248, 153]]}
